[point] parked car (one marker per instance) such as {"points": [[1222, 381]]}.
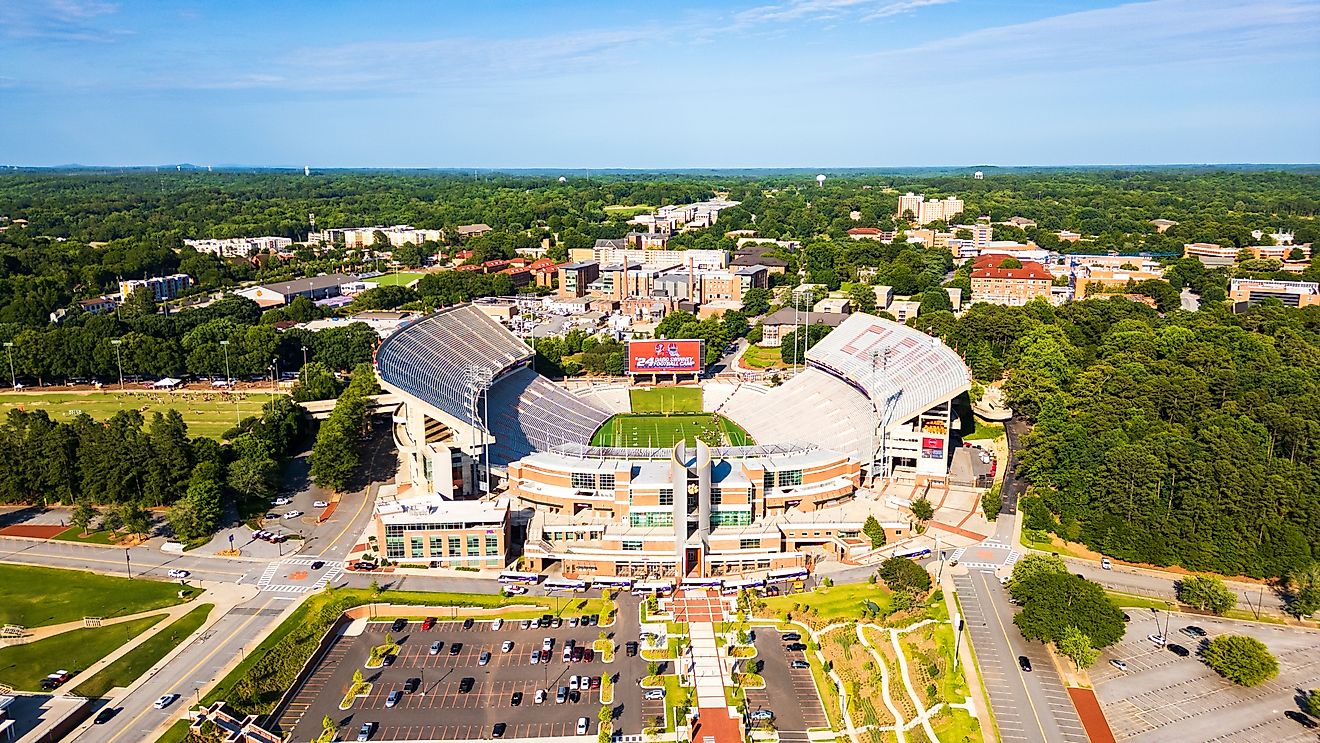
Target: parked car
{"points": [[165, 701], [588, 655], [507, 646], [572, 621], [320, 504], [536, 657], [791, 636], [545, 656], [1192, 630], [177, 573], [583, 726], [393, 698], [281, 501], [654, 694], [428, 623], [1159, 640], [1105, 564], [631, 649], [572, 683], [399, 625], [466, 684], [561, 695], [292, 515], [484, 659], [795, 647], [799, 664], [1178, 650], [436, 646], [364, 732], [595, 682], [762, 715], [548, 643], [526, 624], [364, 565], [104, 715], [497, 625], [517, 591], [516, 699], [455, 648], [1120, 665], [578, 653], [498, 730], [467, 623], [540, 696], [388, 660], [1024, 663], [412, 685], [557, 622]]}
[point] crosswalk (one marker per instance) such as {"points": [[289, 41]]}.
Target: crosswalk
{"points": [[266, 581], [1010, 558]]}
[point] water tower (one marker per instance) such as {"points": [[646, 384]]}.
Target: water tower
{"points": [[562, 179], [820, 180]]}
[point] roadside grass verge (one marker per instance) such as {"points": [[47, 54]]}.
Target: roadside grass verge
{"points": [[24, 666], [135, 662], [38, 597]]}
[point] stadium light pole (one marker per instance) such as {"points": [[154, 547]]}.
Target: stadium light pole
{"points": [[116, 343], [13, 378]]}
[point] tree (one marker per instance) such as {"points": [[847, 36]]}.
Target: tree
{"points": [[902, 574], [1313, 702], [1035, 564], [756, 301], [135, 519], [1052, 602], [1207, 593], [82, 515], [1076, 645], [140, 303], [316, 381], [1304, 584], [1010, 263], [652, 668], [862, 298], [922, 509], [935, 299], [991, 503], [606, 713], [1243, 660], [873, 530], [197, 514]]}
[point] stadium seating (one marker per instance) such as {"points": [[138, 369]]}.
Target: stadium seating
{"points": [[812, 405], [529, 413], [430, 358]]}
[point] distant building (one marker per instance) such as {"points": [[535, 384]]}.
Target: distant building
{"points": [[1163, 225], [833, 305], [1218, 256], [1279, 238], [240, 247], [978, 175], [161, 287], [574, 278], [232, 728], [357, 238], [925, 212], [780, 323], [1009, 286], [904, 309], [103, 303], [1291, 293], [472, 230], [866, 233], [1068, 236], [454, 533], [1088, 280], [283, 292], [1021, 222]]}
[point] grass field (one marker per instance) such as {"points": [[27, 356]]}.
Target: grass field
{"points": [[51, 596], [985, 431], [666, 400], [74, 534], [135, 662], [24, 666], [840, 602], [403, 278], [206, 413], [757, 357], [666, 430], [624, 210]]}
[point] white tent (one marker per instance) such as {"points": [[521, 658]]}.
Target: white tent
{"points": [[167, 383]]}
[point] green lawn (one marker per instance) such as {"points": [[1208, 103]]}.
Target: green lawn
{"points": [[1128, 601], [666, 430], [628, 211], [74, 534], [177, 733], [206, 413], [402, 278], [985, 431], [666, 400], [843, 601], [23, 666], [763, 358], [135, 662], [56, 596]]}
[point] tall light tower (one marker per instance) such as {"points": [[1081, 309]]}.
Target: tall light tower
{"points": [[478, 380], [116, 343], [13, 378], [879, 362]]}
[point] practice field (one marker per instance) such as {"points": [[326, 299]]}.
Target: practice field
{"points": [[35, 597], [206, 413], [667, 430], [23, 666], [395, 279], [666, 400]]}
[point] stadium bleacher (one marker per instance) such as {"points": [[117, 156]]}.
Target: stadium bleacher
{"points": [[837, 415], [529, 413], [430, 358]]}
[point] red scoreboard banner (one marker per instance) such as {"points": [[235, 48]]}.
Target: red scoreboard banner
{"points": [[666, 357]]}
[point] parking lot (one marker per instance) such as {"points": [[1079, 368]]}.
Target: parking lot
{"points": [[1162, 696], [466, 711], [789, 692]]}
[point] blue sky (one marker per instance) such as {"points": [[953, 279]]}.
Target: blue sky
{"points": [[777, 83]]}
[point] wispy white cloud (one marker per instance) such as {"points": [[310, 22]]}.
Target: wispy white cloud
{"points": [[1145, 35], [829, 10], [59, 20]]}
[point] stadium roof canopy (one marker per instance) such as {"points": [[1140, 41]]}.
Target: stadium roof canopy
{"points": [[887, 358]]}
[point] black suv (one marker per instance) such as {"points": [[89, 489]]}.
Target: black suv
{"points": [[399, 625]]}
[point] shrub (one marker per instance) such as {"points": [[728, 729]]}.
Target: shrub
{"points": [[1243, 660]]}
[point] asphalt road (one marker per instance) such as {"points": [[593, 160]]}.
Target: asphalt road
{"points": [[140, 562], [1029, 707], [1142, 583], [193, 669]]}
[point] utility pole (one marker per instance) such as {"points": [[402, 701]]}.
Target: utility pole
{"points": [[128, 565], [274, 373], [304, 350]]}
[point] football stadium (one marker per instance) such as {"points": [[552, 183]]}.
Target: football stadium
{"points": [[608, 479]]}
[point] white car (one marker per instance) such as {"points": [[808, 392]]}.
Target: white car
{"points": [[177, 573], [583, 725], [1105, 564], [540, 696], [282, 501], [484, 659], [435, 647], [165, 701], [515, 591], [497, 624], [536, 657], [320, 504], [548, 643], [572, 683], [1120, 665], [654, 694], [1157, 639], [292, 515], [507, 646]]}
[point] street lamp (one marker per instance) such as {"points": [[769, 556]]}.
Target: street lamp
{"points": [[116, 343], [274, 373], [13, 379], [304, 350], [229, 381]]}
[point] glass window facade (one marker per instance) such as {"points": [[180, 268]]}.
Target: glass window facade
{"points": [[415, 547], [748, 544], [492, 544], [789, 478], [632, 545], [473, 544], [584, 480], [393, 547], [606, 481], [730, 518], [666, 496], [650, 518], [455, 545]]}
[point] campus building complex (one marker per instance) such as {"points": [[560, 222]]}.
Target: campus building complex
{"points": [[874, 398]]}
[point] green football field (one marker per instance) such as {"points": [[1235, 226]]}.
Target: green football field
{"points": [[206, 413], [666, 400], [667, 430]]}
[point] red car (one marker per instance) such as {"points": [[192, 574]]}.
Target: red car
{"points": [[428, 624], [588, 655]]}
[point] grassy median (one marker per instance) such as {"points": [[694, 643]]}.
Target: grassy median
{"points": [[137, 661], [24, 666]]}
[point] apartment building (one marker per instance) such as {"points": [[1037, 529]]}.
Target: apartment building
{"points": [[925, 212], [240, 247], [161, 287], [357, 238]]}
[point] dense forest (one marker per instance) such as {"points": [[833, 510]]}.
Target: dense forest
{"points": [[1187, 439]]}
